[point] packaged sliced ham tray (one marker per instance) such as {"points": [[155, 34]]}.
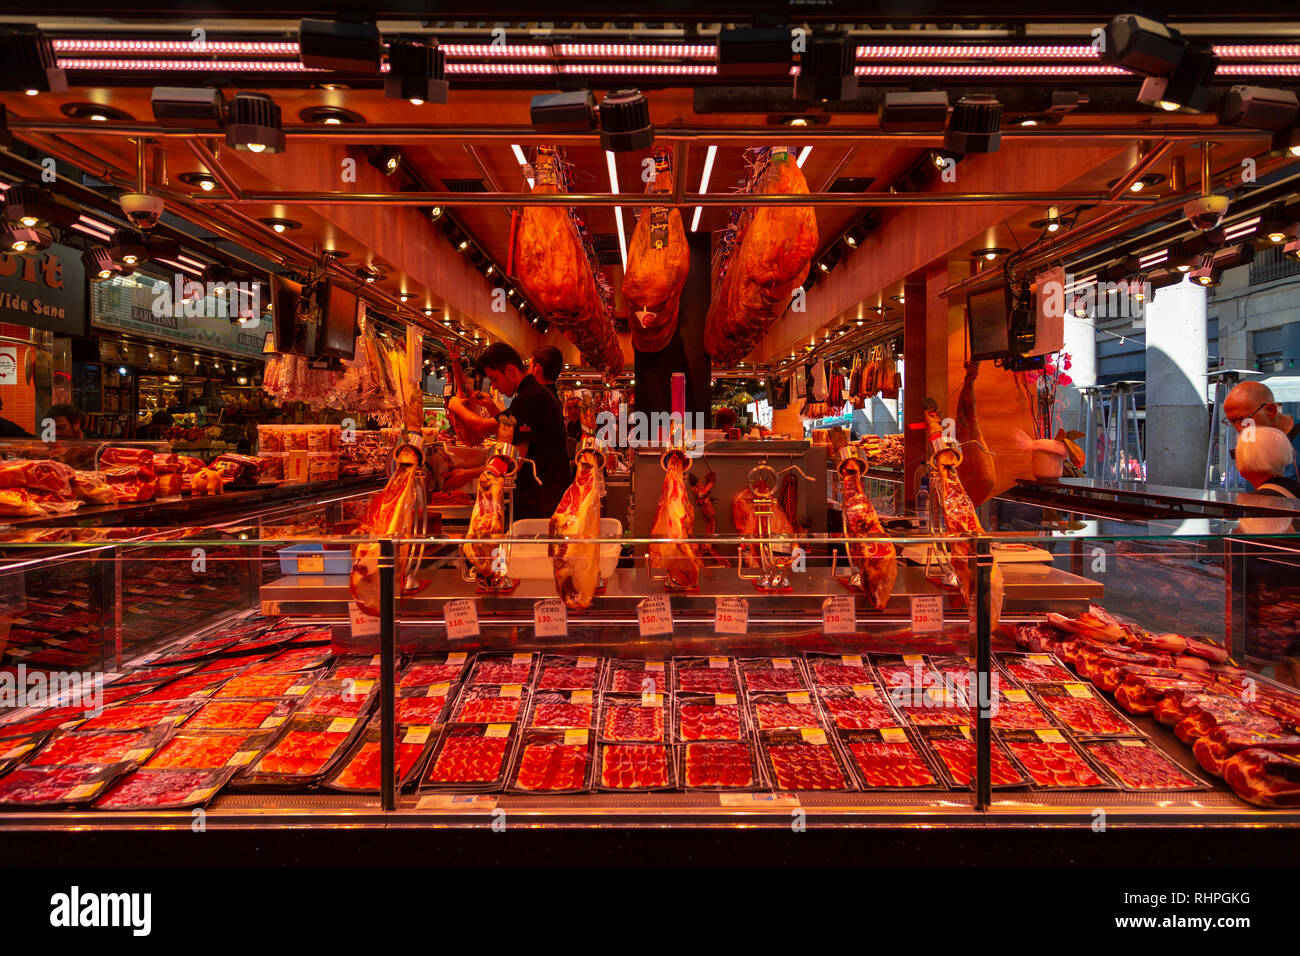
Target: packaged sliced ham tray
{"points": [[1052, 762], [561, 710], [1138, 766], [720, 765], [808, 760], [68, 747], [554, 761], [705, 675], [1014, 709], [360, 770], [133, 716], [635, 766], [427, 671], [904, 670], [710, 717], [887, 758], [471, 758], [838, 670], [304, 750], [569, 673], [953, 752], [503, 669], [931, 706], [764, 674], [1080, 709], [340, 698], [262, 714], [13, 750], [489, 704], [796, 710], [165, 789], [29, 787], [210, 749], [1034, 668], [631, 676], [626, 718], [423, 705], [861, 707]]}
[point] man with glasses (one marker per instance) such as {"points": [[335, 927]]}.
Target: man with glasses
{"points": [[1252, 403]]}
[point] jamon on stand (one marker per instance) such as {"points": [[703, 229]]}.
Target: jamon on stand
{"points": [[657, 262], [465, 412], [675, 521], [553, 267], [757, 274], [874, 564], [487, 522], [961, 523], [978, 469], [577, 559]]}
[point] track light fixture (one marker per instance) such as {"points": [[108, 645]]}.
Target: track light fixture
{"points": [[826, 69], [29, 61], [23, 241], [34, 207], [416, 72], [99, 264], [386, 159], [253, 124], [128, 248], [1178, 71], [188, 108], [975, 125], [625, 125]]}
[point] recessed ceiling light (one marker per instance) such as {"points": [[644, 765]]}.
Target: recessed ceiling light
{"points": [[990, 253], [281, 225], [94, 112], [205, 181], [329, 116]]}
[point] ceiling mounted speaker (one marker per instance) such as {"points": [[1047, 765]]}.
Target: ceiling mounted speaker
{"points": [[183, 108], [335, 45]]}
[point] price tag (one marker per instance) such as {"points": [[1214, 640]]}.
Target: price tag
{"points": [[438, 690], [587, 662], [1016, 696], [927, 614], [363, 624], [574, 737], [722, 699], [1050, 736], [864, 690], [497, 730], [511, 690], [272, 721], [138, 754], [83, 791], [965, 731], [361, 688], [580, 697], [731, 616], [311, 563], [16, 752], [655, 667], [341, 725], [655, 615], [298, 690], [910, 659], [458, 658], [839, 615], [517, 659], [551, 619], [1078, 690], [813, 736], [198, 796], [893, 735], [416, 735], [461, 619], [798, 697], [851, 660], [782, 664], [719, 662], [651, 699], [241, 759], [1131, 743], [376, 660], [1040, 658]]}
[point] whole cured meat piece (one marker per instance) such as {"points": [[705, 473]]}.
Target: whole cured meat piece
{"points": [[701, 491], [658, 259], [886, 764], [675, 521], [719, 765], [1265, 777], [634, 767], [875, 566], [464, 411], [1222, 712], [576, 560], [771, 258], [552, 266], [487, 522], [391, 514], [978, 468], [1214, 749]]}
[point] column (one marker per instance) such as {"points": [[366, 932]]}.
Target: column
{"points": [[1081, 346], [1176, 354]]}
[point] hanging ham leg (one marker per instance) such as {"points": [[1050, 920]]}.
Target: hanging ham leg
{"points": [[465, 413], [657, 262], [391, 514], [961, 523], [675, 520], [487, 522], [577, 559], [875, 566], [977, 470], [701, 491]]}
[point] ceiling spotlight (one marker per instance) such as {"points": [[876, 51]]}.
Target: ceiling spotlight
{"points": [[1142, 45], [253, 124], [1029, 122], [406, 296], [1206, 276], [339, 45], [942, 158], [427, 310], [975, 125], [386, 159], [30, 64], [990, 253], [1258, 107], [914, 112], [329, 116], [572, 112], [435, 213], [281, 225], [416, 72], [127, 248], [826, 68], [1187, 88], [462, 245], [1053, 219], [99, 264], [1150, 179], [32, 207], [203, 181], [23, 241], [625, 122], [94, 112]]}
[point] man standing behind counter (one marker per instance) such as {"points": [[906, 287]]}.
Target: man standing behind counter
{"points": [[1253, 402]]}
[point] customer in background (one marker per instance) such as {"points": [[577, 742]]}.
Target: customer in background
{"points": [[1252, 403], [67, 421], [546, 366], [725, 420], [1264, 456]]}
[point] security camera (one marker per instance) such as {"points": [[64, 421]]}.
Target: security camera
{"points": [[1206, 212], [143, 210]]}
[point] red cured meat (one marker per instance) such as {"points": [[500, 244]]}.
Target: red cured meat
{"points": [[488, 673], [634, 766], [87, 748], [362, 770], [719, 765], [567, 678], [891, 764], [924, 712], [1020, 715], [709, 721], [783, 715], [1033, 672], [1053, 764], [260, 685], [130, 717], [774, 679], [545, 766], [357, 672], [1139, 766], [860, 713], [232, 715], [466, 759], [300, 752], [958, 755], [708, 680], [422, 675], [200, 685], [1264, 777], [1206, 715], [293, 660], [338, 704], [561, 715], [806, 767], [33, 786], [633, 722], [1089, 716], [47, 720], [160, 789], [632, 681], [420, 710], [489, 710], [907, 675], [194, 752], [840, 675]]}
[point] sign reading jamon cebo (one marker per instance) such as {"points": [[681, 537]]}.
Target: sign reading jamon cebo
{"points": [[44, 290]]}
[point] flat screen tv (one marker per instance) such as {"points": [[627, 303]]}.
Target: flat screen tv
{"points": [[285, 296], [987, 314], [338, 321]]}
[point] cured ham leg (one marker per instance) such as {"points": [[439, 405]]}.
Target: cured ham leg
{"points": [[701, 491], [657, 262], [465, 413], [675, 520], [391, 514], [875, 566], [961, 523], [487, 522], [977, 470], [577, 559]]}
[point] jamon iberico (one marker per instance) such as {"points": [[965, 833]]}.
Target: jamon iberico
{"points": [[675, 522], [874, 564], [576, 559], [657, 262], [487, 522]]}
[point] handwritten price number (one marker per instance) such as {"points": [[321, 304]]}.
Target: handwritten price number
{"points": [[461, 619], [550, 619], [731, 616], [838, 615]]}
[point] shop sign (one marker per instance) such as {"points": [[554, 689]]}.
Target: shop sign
{"points": [[45, 290], [130, 304]]}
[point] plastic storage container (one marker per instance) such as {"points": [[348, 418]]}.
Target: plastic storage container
{"points": [[529, 560], [304, 558]]}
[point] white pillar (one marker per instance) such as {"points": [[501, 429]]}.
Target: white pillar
{"points": [[1081, 344], [1176, 353]]}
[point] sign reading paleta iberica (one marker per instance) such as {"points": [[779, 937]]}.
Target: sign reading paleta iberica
{"points": [[44, 290]]}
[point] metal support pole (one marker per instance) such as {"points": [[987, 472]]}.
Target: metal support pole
{"points": [[983, 667], [387, 675]]}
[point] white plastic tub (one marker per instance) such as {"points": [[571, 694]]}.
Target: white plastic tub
{"points": [[529, 560]]}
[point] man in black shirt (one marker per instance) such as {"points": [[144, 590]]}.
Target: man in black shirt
{"points": [[539, 432]]}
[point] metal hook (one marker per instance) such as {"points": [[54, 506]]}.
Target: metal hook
{"points": [[794, 468]]}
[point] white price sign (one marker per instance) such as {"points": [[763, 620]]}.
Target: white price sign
{"points": [[839, 616], [655, 615], [550, 618], [927, 614], [363, 624], [731, 616], [461, 618]]}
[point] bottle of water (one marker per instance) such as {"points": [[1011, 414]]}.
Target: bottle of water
{"points": [[923, 505]]}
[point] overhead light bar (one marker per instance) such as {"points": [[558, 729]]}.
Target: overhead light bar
{"points": [[523, 162], [339, 45], [704, 184], [1247, 227], [803, 154], [618, 210]]}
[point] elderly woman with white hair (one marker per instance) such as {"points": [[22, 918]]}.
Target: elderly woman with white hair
{"points": [[1264, 455]]}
